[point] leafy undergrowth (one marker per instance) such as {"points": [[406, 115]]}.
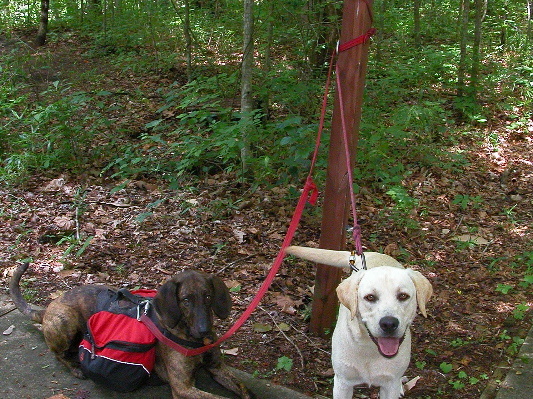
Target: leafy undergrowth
{"points": [[469, 232]]}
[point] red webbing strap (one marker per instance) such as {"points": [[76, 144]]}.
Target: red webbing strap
{"points": [[309, 194], [356, 233], [357, 41], [356, 227], [322, 115]]}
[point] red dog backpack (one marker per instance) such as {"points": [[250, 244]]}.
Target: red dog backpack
{"points": [[118, 350]]}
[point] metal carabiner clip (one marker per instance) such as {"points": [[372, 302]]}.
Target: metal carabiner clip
{"points": [[145, 305], [352, 261]]}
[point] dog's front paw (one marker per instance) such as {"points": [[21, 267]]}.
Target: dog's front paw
{"points": [[76, 372], [245, 392]]}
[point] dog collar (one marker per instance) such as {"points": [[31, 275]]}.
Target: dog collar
{"points": [[150, 313], [352, 259]]}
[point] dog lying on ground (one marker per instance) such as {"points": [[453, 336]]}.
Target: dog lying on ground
{"points": [[184, 305], [371, 343]]}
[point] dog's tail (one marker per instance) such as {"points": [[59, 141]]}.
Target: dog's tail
{"points": [[341, 258], [322, 256], [14, 290]]}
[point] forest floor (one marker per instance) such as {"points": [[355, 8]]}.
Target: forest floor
{"points": [[473, 239]]}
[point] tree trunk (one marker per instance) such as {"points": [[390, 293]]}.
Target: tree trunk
{"points": [[246, 82], [40, 40], [188, 40], [416, 23], [322, 15], [463, 23], [351, 67], [529, 17], [474, 79], [379, 17], [265, 95]]}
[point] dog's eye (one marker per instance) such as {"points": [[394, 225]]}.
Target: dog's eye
{"points": [[403, 296], [370, 298], [208, 298]]}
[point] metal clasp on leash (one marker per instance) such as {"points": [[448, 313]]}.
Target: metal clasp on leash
{"points": [[144, 304], [352, 261]]}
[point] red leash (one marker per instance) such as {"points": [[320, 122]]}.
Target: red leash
{"points": [[309, 194]]}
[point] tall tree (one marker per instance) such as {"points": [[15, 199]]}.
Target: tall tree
{"points": [[416, 24], [529, 18], [40, 40], [322, 17], [476, 47], [188, 40], [265, 95], [463, 23], [246, 81]]}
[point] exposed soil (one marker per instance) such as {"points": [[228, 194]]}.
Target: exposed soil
{"points": [[143, 233]]}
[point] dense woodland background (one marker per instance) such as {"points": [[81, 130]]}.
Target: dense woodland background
{"points": [[225, 94], [439, 71]]}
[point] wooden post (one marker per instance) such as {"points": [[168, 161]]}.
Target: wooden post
{"points": [[351, 68]]}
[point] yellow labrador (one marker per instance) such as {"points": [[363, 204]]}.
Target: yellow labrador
{"points": [[371, 343]]}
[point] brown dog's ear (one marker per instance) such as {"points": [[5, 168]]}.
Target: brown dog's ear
{"points": [[222, 299], [166, 304], [347, 292], [424, 290]]}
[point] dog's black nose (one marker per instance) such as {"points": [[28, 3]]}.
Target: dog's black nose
{"points": [[389, 324]]}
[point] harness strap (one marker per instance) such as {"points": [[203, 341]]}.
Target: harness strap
{"points": [[143, 307]]}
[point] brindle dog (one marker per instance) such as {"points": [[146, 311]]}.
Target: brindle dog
{"points": [[184, 305]]}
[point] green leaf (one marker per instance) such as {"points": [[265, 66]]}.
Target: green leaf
{"points": [[143, 216], [457, 384], [119, 187], [261, 327], [153, 123], [284, 363], [237, 288], [504, 288], [156, 203], [84, 246], [446, 367], [420, 365], [286, 140]]}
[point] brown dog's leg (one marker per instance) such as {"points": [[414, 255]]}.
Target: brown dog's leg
{"points": [[224, 377], [62, 332], [178, 371], [222, 374]]}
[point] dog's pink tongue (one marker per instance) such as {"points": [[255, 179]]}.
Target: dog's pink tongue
{"points": [[389, 346]]}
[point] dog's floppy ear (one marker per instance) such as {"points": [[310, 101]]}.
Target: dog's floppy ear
{"points": [[424, 290], [347, 292], [222, 299], [166, 303]]}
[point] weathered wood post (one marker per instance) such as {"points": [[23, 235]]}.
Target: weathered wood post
{"points": [[351, 71]]}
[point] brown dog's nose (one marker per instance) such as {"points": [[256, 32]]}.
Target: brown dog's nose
{"points": [[389, 324]]}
